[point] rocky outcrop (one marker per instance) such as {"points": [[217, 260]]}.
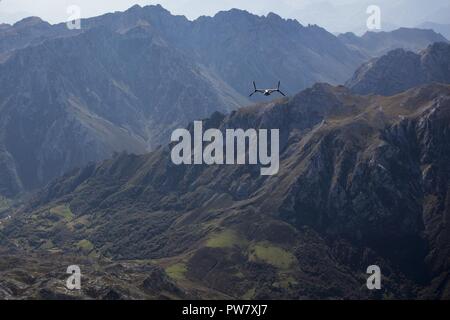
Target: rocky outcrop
{"points": [[400, 70], [71, 101]]}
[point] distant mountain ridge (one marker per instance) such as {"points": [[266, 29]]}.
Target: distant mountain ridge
{"points": [[375, 44], [400, 70], [241, 47], [443, 29], [70, 101], [199, 36], [126, 79]]}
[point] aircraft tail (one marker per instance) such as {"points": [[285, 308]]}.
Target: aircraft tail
{"points": [[279, 84], [254, 85]]}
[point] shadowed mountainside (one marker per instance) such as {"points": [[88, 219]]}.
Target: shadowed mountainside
{"points": [[400, 70], [362, 181]]}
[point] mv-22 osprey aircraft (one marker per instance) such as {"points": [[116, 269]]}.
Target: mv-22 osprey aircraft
{"points": [[267, 92]]}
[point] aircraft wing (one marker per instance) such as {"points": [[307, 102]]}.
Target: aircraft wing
{"points": [[256, 91]]}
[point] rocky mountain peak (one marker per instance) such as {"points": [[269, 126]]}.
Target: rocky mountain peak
{"points": [[30, 22], [400, 70]]}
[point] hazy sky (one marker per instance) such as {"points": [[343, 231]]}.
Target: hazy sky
{"points": [[335, 15]]}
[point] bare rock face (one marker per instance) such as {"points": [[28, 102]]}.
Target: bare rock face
{"points": [[363, 180], [400, 70], [101, 280], [126, 80], [71, 101]]}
